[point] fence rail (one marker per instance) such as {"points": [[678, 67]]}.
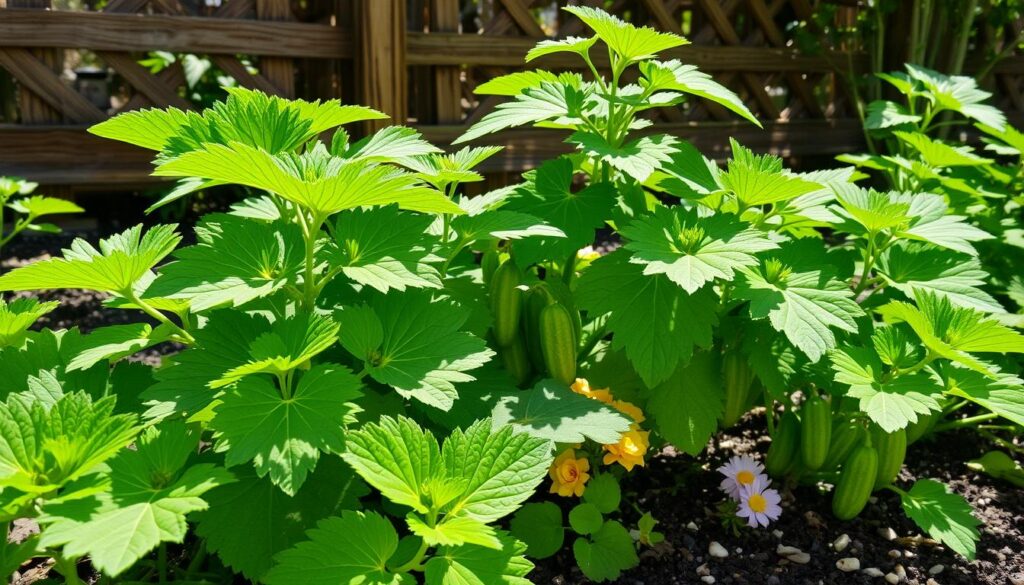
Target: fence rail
{"points": [[416, 60]]}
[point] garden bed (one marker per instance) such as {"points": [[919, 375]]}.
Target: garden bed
{"points": [[682, 497]]}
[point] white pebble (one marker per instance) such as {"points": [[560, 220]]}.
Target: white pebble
{"points": [[891, 578], [894, 554], [936, 569], [841, 543], [848, 564], [716, 550], [703, 570], [739, 550], [708, 579], [887, 533], [800, 558], [784, 550], [777, 533], [900, 572], [692, 526], [931, 581], [872, 572]]}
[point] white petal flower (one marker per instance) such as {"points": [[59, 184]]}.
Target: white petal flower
{"points": [[740, 471], [759, 504]]}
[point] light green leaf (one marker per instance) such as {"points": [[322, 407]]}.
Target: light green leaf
{"points": [[235, 261], [148, 128], [454, 531], [585, 518], [477, 565], [290, 343], [607, 553], [931, 222], [913, 267], [389, 144], [397, 457], [384, 248], [113, 343], [674, 75], [693, 251], [630, 42], [151, 493], [637, 159], [885, 114], [18, 315], [353, 548], [760, 179], [652, 319], [958, 93], [315, 180], [539, 526], [285, 434], [1003, 394], [514, 83], [39, 205], [120, 262], [874, 211], [939, 154], [559, 102], [892, 402], [551, 411], [945, 516], [417, 345], [578, 45], [686, 407]]}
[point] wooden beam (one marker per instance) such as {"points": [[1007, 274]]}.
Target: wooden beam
{"points": [[34, 109], [154, 88], [520, 13], [444, 17], [380, 65], [233, 67], [278, 71], [99, 31], [38, 78]]}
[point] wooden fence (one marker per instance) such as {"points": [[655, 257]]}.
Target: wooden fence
{"points": [[417, 60]]}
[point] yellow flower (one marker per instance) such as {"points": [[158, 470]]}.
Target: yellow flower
{"points": [[569, 474], [629, 409], [582, 387], [630, 449]]}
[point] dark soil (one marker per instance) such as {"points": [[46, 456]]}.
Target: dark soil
{"points": [[680, 490]]}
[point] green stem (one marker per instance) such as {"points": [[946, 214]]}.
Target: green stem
{"points": [[965, 422], [310, 230], [769, 413], [68, 568], [569, 270], [1001, 441], [927, 359], [161, 556], [869, 263], [146, 308], [415, 563]]}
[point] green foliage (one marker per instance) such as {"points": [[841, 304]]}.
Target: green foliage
{"points": [[16, 195]]}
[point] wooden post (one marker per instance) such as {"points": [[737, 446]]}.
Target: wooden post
{"points": [[380, 63], [444, 17], [35, 110], [280, 72]]}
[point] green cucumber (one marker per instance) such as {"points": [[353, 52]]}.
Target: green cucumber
{"points": [[558, 343], [782, 454], [846, 436], [536, 299], [815, 432], [892, 450], [489, 262], [561, 293], [517, 362], [856, 482], [506, 302], [738, 379]]}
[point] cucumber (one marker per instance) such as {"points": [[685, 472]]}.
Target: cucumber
{"points": [[506, 302], [536, 299], [561, 293], [923, 426], [815, 432], [892, 450], [517, 362], [738, 379], [558, 343], [846, 437], [856, 482], [489, 262], [782, 454]]}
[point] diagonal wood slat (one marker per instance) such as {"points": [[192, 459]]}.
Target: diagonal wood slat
{"points": [[155, 89], [233, 67], [172, 77], [766, 21], [47, 85]]}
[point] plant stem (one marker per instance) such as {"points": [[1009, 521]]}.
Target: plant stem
{"points": [[769, 412], [149, 310], [161, 556], [415, 563], [569, 270], [68, 568], [965, 422], [1001, 441], [309, 232]]}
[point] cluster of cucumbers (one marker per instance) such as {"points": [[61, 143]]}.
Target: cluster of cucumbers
{"points": [[537, 328], [864, 456]]}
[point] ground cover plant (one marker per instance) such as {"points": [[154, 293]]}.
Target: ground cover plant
{"points": [[381, 380]]}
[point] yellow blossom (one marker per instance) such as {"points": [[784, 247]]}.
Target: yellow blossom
{"points": [[569, 474], [630, 449], [582, 387], [629, 409]]}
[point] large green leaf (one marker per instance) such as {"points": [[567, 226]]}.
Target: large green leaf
{"points": [[478, 565], [939, 154], [235, 261], [290, 343], [18, 315], [353, 548], [630, 42], [690, 250], [1003, 395], [883, 114], [151, 492], [958, 93], [914, 267], [686, 407], [606, 553], [541, 527], [284, 433], [112, 343], [945, 516], [560, 102], [637, 158], [148, 128], [891, 401], [316, 180], [657, 323], [551, 411], [39, 205], [121, 261], [384, 248], [760, 179], [251, 520], [415, 344], [675, 75]]}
